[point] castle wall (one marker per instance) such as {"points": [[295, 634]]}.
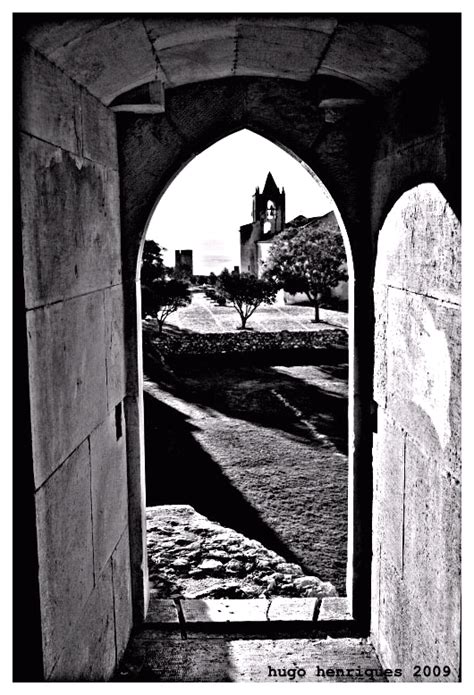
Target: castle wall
{"points": [[69, 186], [249, 251]]}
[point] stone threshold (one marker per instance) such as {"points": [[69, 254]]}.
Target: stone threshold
{"points": [[252, 616], [166, 658]]}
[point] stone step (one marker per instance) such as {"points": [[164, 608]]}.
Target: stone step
{"points": [[278, 609]]}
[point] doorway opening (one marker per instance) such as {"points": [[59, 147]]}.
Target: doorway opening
{"points": [[248, 467]]}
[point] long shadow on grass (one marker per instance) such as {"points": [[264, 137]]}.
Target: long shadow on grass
{"points": [[179, 471], [250, 388]]}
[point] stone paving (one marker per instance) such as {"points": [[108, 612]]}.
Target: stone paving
{"points": [[204, 316], [191, 556]]}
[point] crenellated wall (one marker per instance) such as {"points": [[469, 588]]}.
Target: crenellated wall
{"points": [[69, 187]]}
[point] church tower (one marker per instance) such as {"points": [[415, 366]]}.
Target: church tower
{"points": [[269, 207], [268, 219]]}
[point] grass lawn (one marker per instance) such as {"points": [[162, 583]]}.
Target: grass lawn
{"points": [[261, 448]]}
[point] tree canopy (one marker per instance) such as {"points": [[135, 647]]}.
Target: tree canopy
{"points": [[161, 295], [153, 267], [309, 260], [246, 292]]}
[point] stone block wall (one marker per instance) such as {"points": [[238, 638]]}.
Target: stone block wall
{"points": [[69, 192], [416, 458]]}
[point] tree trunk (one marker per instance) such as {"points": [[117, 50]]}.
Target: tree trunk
{"points": [[316, 311], [244, 321]]}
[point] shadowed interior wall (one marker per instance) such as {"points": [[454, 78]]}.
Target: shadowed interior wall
{"points": [[417, 496], [70, 221]]}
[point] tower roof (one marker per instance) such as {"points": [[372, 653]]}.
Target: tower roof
{"points": [[270, 185]]}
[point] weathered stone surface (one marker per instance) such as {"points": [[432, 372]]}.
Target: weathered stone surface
{"points": [[423, 373], [367, 52], [416, 572], [66, 571], [389, 487], [164, 31], [99, 137], [115, 345], [108, 482], [49, 103], [67, 377], [381, 350], [432, 551], [121, 577], [193, 557], [395, 171], [298, 107], [49, 33], [162, 610], [210, 565], [419, 246], [71, 241], [163, 145], [190, 114], [189, 62], [250, 660], [291, 609], [224, 611], [389, 631], [376, 54], [258, 51], [89, 654], [400, 618], [110, 59], [334, 608]]}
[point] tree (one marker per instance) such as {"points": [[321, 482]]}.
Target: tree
{"points": [[161, 295], [309, 260], [153, 267], [246, 292]]}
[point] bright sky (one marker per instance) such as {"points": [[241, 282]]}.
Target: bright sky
{"points": [[211, 198]]}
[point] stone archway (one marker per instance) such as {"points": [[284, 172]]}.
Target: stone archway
{"points": [[368, 145], [153, 150], [162, 487]]}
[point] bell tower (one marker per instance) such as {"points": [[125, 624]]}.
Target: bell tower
{"points": [[269, 207], [268, 219]]}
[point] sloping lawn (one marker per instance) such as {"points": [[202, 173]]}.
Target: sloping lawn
{"points": [[260, 448]]}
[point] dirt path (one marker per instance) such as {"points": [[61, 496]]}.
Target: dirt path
{"points": [[261, 449]]}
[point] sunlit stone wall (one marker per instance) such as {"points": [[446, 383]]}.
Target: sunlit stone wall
{"points": [[416, 547]]}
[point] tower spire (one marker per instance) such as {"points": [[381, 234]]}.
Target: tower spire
{"points": [[270, 184]]}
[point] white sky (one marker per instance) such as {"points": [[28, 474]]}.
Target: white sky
{"points": [[211, 198]]}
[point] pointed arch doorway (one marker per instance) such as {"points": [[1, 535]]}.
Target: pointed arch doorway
{"points": [[328, 202]]}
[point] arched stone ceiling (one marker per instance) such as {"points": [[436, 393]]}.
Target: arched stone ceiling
{"points": [[112, 54]]}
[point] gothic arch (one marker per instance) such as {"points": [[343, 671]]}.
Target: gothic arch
{"points": [[152, 153]]}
